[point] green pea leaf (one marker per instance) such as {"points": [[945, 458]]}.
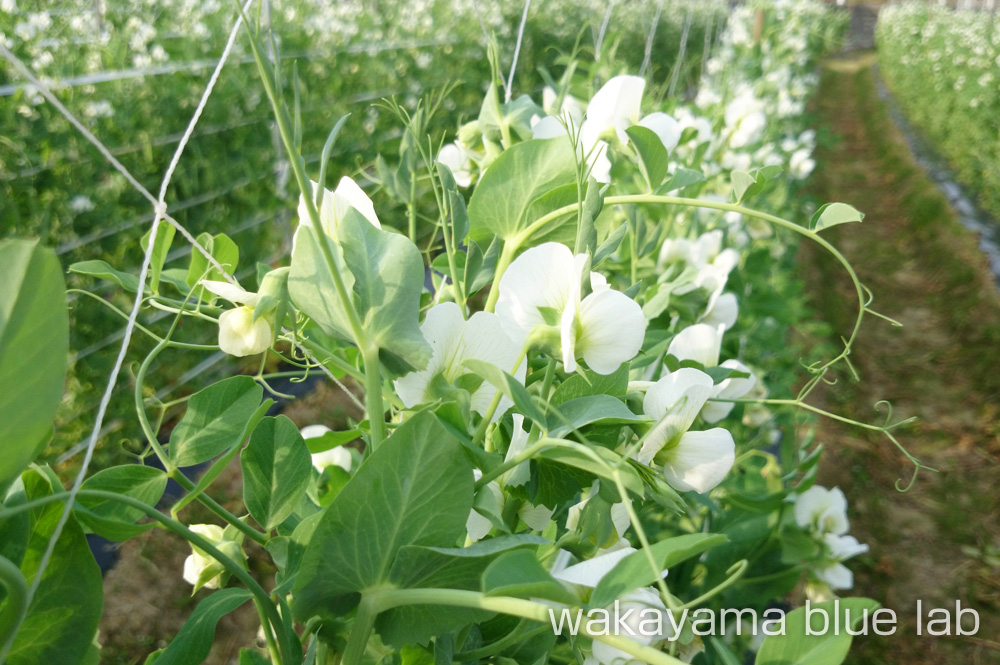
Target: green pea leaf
{"points": [[222, 249], [653, 155], [507, 197], [830, 647], [63, 616], [510, 387], [194, 641], [103, 270], [414, 489], [633, 572], [832, 214], [519, 574], [115, 520], [276, 469], [34, 342], [164, 238], [583, 411], [215, 420], [442, 568]]}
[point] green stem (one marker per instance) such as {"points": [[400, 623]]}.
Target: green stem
{"points": [[272, 646], [734, 576], [149, 333], [168, 464], [374, 397], [495, 402], [373, 394], [364, 621], [179, 529], [510, 248], [15, 607], [540, 223], [525, 609]]}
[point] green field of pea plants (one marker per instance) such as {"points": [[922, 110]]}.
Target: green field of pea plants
{"points": [[441, 332]]}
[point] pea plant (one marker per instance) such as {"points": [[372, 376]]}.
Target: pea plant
{"points": [[568, 452]]}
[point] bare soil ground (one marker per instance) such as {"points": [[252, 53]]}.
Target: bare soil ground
{"points": [[938, 542]]}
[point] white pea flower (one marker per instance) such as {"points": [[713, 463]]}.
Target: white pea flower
{"points": [[665, 127], [202, 570], [842, 548], [692, 461], [722, 311], [239, 334], [590, 572], [616, 105], [459, 161], [835, 576], [639, 610], [336, 456], [731, 388], [454, 340], [541, 296], [822, 510], [335, 205], [478, 525], [572, 108], [700, 342], [521, 473], [589, 144]]}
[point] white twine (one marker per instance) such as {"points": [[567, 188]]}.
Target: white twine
{"points": [[517, 52], [160, 209]]}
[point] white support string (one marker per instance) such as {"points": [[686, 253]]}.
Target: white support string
{"points": [[517, 52], [649, 39], [160, 208], [599, 44]]}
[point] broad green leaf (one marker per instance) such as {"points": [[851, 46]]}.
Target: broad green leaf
{"points": [[164, 238], [276, 468], [442, 568], [519, 574], [830, 647], [832, 214], [633, 572], [614, 384], [34, 342], [215, 420], [515, 181], [102, 270], [741, 183], [510, 387], [479, 267], [312, 287], [388, 279], [414, 489], [583, 411], [115, 520], [653, 155], [580, 460], [194, 641], [319, 444], [610, 244], [64, 615], [680, 179], [223, 250]]}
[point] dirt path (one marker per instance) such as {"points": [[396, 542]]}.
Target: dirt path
{"points": [[940, 542]]}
